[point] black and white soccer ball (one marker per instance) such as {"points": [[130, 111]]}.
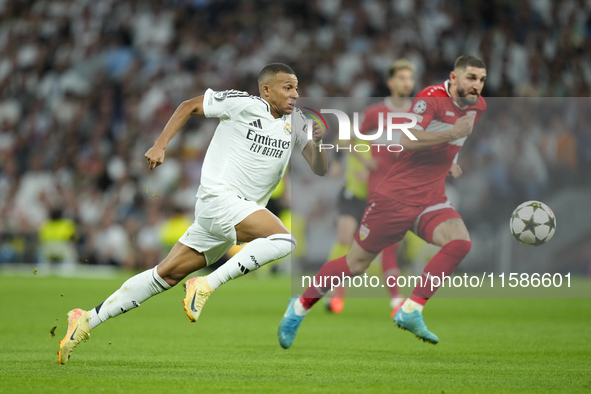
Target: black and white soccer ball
{"points": [[533, 223]]}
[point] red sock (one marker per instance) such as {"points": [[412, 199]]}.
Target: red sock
{"points": [[390, 269], [444, 263], [320, 283]]}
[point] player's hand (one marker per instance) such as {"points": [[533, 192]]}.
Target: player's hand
{"points": [[317, 132], [455, 170], [371, 164], [155, 156], [463, 127]]}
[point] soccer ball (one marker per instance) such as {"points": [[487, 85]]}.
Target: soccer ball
{"points": [[533, 223]]}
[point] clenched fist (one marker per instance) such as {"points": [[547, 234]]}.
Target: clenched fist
{"points": [[155, 156]]}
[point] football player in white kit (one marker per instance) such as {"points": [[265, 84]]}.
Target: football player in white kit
{"points": [[245, 161]]}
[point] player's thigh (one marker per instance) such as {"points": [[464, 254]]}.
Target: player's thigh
{"points": [[180, 262], [346, 227], [383, 223], [444, 227], [359, 259], [259, 224]]}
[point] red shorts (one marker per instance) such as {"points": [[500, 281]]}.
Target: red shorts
{"points": [[385, 221]]}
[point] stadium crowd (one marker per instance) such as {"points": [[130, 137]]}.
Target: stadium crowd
{"points": [[86, 87]]}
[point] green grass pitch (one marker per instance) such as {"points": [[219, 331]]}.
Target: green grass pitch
{"points": [[487, 345]]}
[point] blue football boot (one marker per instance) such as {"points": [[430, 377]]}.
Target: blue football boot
{"points": [[289, 325], [414, 323]]}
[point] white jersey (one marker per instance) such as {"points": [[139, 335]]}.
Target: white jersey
{"points": [[250, 149]]}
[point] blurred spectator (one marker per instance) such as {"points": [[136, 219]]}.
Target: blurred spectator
{"points": [[148, 241], [530, 171], [57, 240], [173, 228], [566, 166], [35, 194], [86, 87], [112, 243]]}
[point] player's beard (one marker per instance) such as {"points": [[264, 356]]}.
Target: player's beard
{"points": [[464, 97]]}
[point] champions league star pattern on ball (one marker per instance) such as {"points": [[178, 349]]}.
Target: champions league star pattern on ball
{"points": [[533, 223]]}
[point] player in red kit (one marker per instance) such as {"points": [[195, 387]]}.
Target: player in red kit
{"points": [[377, 164], [412, 197]]}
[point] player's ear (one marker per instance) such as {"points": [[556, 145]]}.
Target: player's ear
{"points": [[264, 90], [453, 77]]}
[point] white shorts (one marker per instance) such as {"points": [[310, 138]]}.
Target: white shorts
{"points": [[213, 233]]}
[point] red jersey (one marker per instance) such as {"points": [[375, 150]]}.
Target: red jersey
{"points": [[418, 177], [384, 158]]}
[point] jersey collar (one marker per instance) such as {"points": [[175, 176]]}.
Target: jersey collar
{"points": [[267, 106]]}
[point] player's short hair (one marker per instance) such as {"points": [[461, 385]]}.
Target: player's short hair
{"points": [[465, 61], [271, 70], [401, 64]]}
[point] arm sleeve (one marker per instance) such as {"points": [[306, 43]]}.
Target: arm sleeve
{"points": [[425, 109], [224, 104]]}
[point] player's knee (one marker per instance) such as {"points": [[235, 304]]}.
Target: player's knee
{"points": [[460, 235], [442, 238], [357, 266]]}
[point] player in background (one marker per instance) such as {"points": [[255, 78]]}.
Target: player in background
{"points": [[377, 163], [245, 161], [412, 197]]}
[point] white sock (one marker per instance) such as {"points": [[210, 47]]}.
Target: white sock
{"points": [[252, 256], [299, 308], [395, 302], [131, 294], [410, 306]]}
